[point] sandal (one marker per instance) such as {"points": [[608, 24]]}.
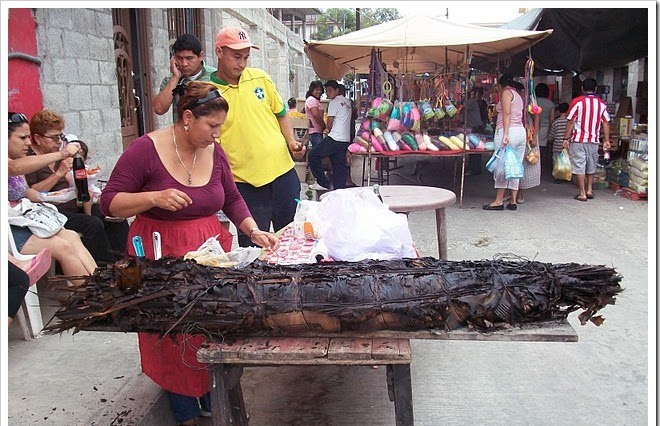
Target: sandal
{"points": [[512, 207], [490, 207], [590, 196], [40, 266], [577, 197]]}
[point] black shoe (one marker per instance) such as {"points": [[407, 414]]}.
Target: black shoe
{"points": [[489, 207], [512, 207]]}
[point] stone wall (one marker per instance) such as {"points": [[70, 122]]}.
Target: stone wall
{"points": [[78, 77], [78, 67]]}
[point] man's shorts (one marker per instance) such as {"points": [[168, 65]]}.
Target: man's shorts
{"points": [[584, 158]]}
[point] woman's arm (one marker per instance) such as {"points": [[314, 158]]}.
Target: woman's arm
{"points": [[262, 238], [126, 204], [506, 99], [31, 163], [317, 113], [48, 183]]}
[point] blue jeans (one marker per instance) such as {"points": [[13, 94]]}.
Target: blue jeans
{"points": [[187, 407], [274, 202], [336, 151], [314, 139]]}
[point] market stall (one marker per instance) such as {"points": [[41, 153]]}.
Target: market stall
{"points": [[419, 72]]}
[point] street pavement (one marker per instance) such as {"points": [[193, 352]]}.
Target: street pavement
{"points": [[93, 378]]}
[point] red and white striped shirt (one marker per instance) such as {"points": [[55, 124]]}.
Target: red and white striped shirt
{"points": [[586, 113]]}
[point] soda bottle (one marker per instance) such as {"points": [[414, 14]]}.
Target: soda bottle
{"points": [[80, 179], [376, 189]]}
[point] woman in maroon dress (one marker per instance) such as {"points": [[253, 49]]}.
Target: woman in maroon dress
{"points": [[174, 181]]}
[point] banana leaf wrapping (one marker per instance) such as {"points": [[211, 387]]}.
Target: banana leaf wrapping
{"points": [[170, 294]]}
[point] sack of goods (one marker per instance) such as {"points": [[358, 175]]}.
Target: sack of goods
{"points": [[43, 219], [562, 167]]}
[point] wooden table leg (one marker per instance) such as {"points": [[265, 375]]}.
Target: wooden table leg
{"points": [[220, 406], [239, 413], [442, 233], [402, 390]]}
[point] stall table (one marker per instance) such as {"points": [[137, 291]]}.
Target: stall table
{"points": [[387, 159], [389, 348]]}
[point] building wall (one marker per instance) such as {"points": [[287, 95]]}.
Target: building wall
{"points": [[78, 77], [78, 68]]}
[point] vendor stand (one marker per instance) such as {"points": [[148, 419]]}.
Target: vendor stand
{"points": [[432, 59]]}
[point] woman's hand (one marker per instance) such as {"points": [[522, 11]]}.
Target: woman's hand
{"points": [[70, 150], [265, 239], [64, 168], [172, 199], [505, 139]]}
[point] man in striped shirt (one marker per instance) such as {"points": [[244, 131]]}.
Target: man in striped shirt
{"points": [[586, 115]]}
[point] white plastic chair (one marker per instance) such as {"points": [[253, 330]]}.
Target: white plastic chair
{"points": [[29, 316]]}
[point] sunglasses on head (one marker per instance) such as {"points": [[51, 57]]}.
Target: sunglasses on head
{"points": [[18, 118], [212, 95]]}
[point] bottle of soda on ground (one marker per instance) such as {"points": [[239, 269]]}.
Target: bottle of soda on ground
{"points": [[80, 179]]}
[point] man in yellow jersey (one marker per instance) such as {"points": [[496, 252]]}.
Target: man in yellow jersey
{"points": [[257, 135]]}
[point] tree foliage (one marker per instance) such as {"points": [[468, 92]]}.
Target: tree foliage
{"points": [[335, 22]]}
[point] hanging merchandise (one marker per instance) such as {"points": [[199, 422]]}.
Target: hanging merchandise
{"points": [[532, 105]]}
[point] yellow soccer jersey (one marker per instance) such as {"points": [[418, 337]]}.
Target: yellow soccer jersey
{"points": [[251, 135]]}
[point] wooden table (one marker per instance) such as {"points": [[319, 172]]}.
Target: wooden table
{"points": [[411, 198], [390, 348]]}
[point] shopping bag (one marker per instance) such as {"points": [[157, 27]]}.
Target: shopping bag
{"points": [[562, 167], [490, 165], [513, 167], [43, 219]]}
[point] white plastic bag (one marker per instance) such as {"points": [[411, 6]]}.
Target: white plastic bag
{"points": [[43, 219], [356, 225]]}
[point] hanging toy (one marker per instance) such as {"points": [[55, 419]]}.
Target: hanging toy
{"points": [[532, 105]]}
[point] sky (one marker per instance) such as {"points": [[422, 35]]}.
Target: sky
{"points": [[465, 12]]}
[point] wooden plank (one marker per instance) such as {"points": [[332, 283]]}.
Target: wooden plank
{"points": [[217, 353], [284, 348], [385, 349], [349, 349], [544, 331]]}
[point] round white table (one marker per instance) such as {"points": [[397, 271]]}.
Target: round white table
{"points": [[412, 198]]}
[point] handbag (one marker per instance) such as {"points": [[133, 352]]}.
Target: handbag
{"points": [[43, 219]]}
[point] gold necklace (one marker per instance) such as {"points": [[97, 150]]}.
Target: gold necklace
{"points": [[176, 149]]}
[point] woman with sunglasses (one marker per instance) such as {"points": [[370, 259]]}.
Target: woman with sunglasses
{"points": [[174, 180], [65, 246]]}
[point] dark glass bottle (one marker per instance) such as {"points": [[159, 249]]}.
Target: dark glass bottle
{"points": [[80, 179]]}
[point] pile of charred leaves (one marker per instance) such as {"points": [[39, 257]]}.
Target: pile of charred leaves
{"points": [[411, 294]]}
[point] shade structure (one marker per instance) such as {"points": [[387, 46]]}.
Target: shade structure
{"points": [[416, 43]]}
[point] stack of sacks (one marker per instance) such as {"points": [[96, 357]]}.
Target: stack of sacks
{"points": [[639, 175]]}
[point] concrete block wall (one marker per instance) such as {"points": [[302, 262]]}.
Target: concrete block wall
{"points": [[78, 73], [78, 77]]}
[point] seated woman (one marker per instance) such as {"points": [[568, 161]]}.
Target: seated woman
{"points": [[65, 246], [46, 129]]}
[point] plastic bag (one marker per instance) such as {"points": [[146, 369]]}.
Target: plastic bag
{"points": [[495, 165], [43, 219], [210, 253], [513, 167], [356, 225], [562, 167]]}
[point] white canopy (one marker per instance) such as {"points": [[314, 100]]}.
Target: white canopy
{"points": [[418, 44]]}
